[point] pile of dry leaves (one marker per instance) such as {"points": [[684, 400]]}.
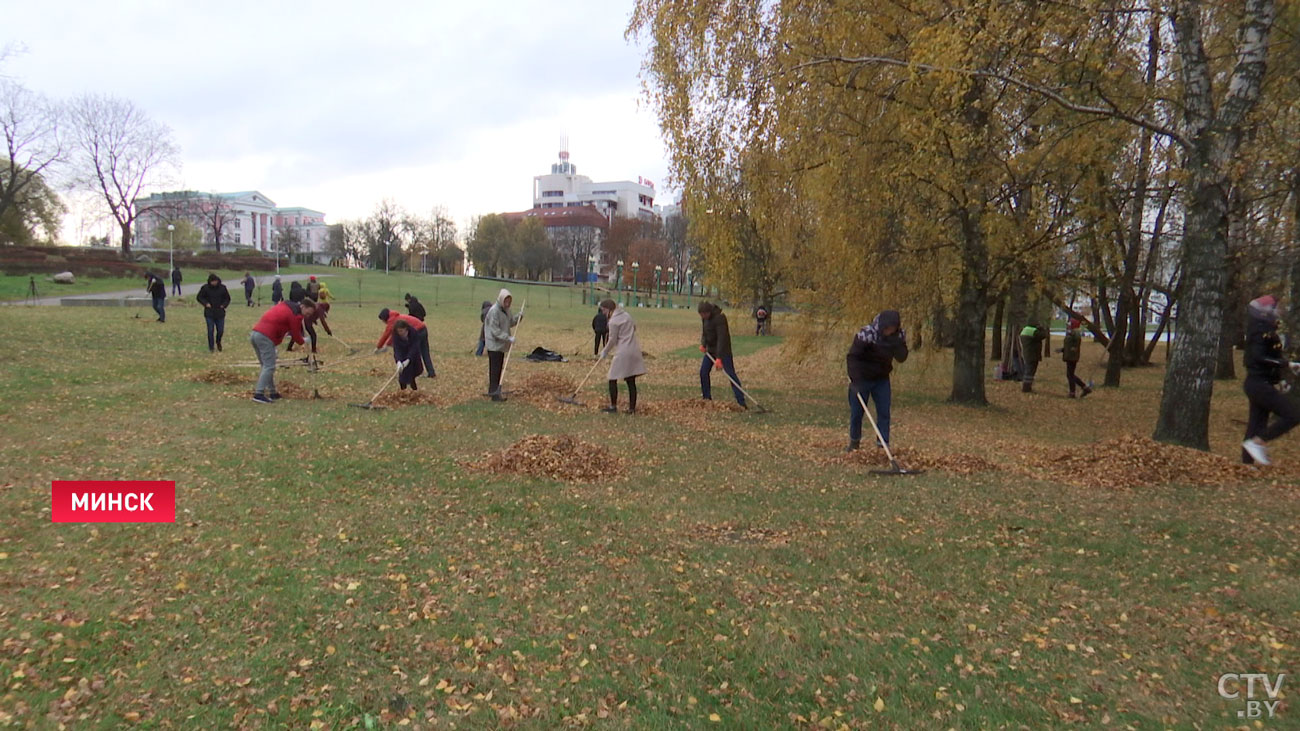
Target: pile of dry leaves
{"points": [[1133, 461], [398, 399], [223, 377], [914, 459], [557, 457]]}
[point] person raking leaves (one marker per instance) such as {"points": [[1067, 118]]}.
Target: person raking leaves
{"points": [[715, 344], [406, 354], [497, 340], [1031, 347], [628, 362], [870, 361], [390, 318], [1264, 386], [284, 318], [309, 323], [215, 298]]}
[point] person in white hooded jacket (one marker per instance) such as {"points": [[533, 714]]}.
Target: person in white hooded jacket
{"points": [[497, 340]]}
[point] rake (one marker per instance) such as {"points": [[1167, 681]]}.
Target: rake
{"points": [[574, 398], [351, 350], [734, 382], [371, 403], [894, 468]]}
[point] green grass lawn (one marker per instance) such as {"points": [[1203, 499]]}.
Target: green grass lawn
{"points": [[344, 568], [16, 286]]}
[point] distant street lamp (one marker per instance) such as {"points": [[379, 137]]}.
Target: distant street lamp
{"points": [[618, 282], [659, 293], [636, 296], [171, 240], [591, 278], [672, 283]]}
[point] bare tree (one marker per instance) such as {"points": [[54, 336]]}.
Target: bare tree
{"points": [[33, 143], [217, 216], [118, 151]]}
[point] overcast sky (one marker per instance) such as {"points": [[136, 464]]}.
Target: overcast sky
{"points": [[337, 105]]}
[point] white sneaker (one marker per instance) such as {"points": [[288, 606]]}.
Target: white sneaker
{"points": [[1257, 451]]}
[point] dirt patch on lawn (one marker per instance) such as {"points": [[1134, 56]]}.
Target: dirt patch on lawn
{"points": [[222, 377], [562, 457]]}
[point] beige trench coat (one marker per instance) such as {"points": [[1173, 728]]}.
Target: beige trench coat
{"points": [[627, 349]]}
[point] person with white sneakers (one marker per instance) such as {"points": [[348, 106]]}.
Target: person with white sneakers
{"points": [[1265, 386]]}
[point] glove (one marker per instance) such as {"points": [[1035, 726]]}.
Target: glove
{"points": [[402, 364], [1295, 367], [1284, 387], [902, 334], [512, 338], [717, 364]]}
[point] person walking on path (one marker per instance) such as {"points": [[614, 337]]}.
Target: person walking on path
{"points": [[1031, 347], [414, 308], [628, 362], [284, 318], [406, 353], [248, 283], [600, 326], [482, 318], [1264, 386], [176, 281], [715, 344], [153, 284], [421, 335], [1070, 352], [870, 361], [497, 340], [277, 290], [215, 298]]}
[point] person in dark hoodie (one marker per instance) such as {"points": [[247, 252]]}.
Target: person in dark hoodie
{"points": [[870, 360], [153, 284], [715, 344], [482, 318], [1031, 348], [1264, 385], [215, 298], [277, 290], [1071, 350], [600, 326], [176, 281], [296, 292], [407, 354], [309, 322], [390, 318], [414, 308]]}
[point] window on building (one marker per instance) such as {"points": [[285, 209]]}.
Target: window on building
{"points": [[236, 223], [552, 194], [237, 239]]}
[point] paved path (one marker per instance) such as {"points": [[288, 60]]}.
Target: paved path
{"points": [[187, 290]]}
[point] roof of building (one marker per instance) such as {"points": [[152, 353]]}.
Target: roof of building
{"points": [[560, 217]]}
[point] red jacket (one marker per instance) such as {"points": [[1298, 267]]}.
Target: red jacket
{"points": [[278, 321], [393, 317]]}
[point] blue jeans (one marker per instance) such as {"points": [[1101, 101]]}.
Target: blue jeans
{"points": [[159, 306], [728, 366], [878, 391], [480, 346], [217, 325]]}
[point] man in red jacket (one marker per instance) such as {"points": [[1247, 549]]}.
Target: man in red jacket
{"points": [[284, 318], [418, 331]]}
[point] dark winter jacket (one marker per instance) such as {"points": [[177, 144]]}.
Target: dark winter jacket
{"points": [[415, 309], [1263, 357], [1031, 343], [482, 317], [277, 291], [1072, 348], [215, 298], [599, 323], [716, 336], [155, 287], [249, 283], [176, 275], [296, 292], [408, 349], [871, 356]]}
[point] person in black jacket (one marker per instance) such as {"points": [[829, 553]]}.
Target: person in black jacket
{"points": [[600, 326], [1264, 386], [296, 292], [482, 318], [277, 290], [176, 281], [414, 308], [248, 283], [407, 354], [715, 344], [153, 284], [215, 298], [870, 361]]}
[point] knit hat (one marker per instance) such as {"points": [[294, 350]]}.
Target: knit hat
{"points": [[1264, 308]]}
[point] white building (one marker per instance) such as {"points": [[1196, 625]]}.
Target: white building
{"points": [[564, 188], [248, 219]]}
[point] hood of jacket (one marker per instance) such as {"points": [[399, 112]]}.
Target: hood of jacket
{"points": [[501, 297], [212, 283]]}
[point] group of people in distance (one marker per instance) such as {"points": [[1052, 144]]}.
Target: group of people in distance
{"points": [[870, 359]]}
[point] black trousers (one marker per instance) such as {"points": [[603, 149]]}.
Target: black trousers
{"points": [[631, 392], [601, 339], [496, 361], [1074, 380], [1266, 400]]}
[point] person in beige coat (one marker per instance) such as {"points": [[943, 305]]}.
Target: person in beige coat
{"points": [[627, 363]]}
